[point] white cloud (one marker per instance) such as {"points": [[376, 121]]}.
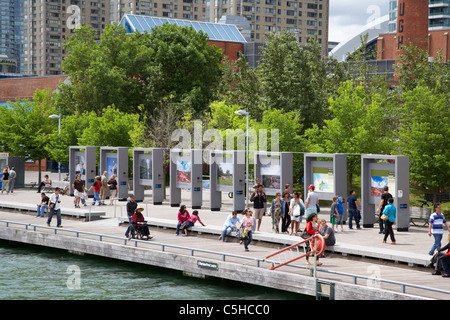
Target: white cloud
{"points": [[348, 16]]}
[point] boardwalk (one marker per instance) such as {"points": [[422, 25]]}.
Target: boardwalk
{"points": [[416, 241]]}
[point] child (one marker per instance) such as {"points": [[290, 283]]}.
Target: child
{"points": [[191, 221], [334, 213], [340, 208]]}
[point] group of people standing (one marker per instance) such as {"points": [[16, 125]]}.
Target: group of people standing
{"points": [[8, 179], [101, 186]]}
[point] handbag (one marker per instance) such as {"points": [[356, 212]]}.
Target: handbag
{"points": [[318, 208], [242, 233], [296, 211], [305, 235], [384, 216]]}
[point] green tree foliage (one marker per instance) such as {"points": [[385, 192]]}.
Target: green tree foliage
{"points": [[113, 128], [358, 125], [132, 70], [26, 127], [424, 137]]}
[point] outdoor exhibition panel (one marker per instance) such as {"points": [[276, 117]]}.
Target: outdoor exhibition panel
{"points": [[329, 177], [378, 171], [186, 173], [275, 170], [148, 170], [18, 163], [82, 160], [114, 160], [227, 174]]}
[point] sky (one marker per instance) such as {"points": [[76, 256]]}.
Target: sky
{"points": [[349, 16]]}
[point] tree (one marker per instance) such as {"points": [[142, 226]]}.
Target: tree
{"points": [[424, 135], [26, 127], [358, 126], [132, 70], [414, 68]]}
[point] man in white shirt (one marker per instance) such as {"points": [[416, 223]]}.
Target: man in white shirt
{"points": [[55, 207], [311, 201]]}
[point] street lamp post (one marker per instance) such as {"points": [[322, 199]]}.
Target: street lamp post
{"points": [[246, 114], [57, 116]]}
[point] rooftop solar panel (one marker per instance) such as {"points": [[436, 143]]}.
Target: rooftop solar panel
{"points": [[215, 31]]}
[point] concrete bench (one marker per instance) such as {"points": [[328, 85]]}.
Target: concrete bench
{"points": [[76, 213], [278, 240]]}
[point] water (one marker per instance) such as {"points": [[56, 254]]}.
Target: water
{"points": [[39, 273]]}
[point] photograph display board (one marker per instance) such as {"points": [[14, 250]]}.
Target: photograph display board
{"points": [[227, 174], [186, 173], [378, 171], [114, 160], [274, 169], [328, 177], [83, 161], [148, 170]]}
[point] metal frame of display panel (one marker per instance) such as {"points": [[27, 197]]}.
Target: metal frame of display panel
{"points": [[186, 173], [332, 172], [374, 176], [119, 167], [84, 162], [233, 161], [279, 164], [141, 176]]}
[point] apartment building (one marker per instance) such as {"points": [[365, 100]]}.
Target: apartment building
{"points": [[10, 36], [47, 24], [304, 18]]}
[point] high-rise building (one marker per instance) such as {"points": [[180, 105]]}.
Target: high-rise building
{"points": [[10, 32], [304, 18], [47, 24]]}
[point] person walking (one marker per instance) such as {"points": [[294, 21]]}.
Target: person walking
{"points": [[340, 208], [12, 180], [97, 186], [55, 208], [247, 223], [183, 216], [131, 208], [312, 201], [112, 184], [391, 212], [353, 207], [383, 203], [259, 199], [436, 228], [276, 210], [285, 208], [78, 190], [230, 225]]}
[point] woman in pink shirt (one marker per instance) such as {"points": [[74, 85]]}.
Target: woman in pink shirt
{"points": [[183, 216], [247, 223], [191, 221]]}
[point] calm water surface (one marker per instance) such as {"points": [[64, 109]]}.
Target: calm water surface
{"points": [[34, 272]]}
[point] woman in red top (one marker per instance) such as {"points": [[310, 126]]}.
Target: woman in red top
{"points": [[138, 220], [312, 228], [183, 216]]}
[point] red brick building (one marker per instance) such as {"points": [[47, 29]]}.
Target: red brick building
{"points": [[412, 26], [24, 88]]}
